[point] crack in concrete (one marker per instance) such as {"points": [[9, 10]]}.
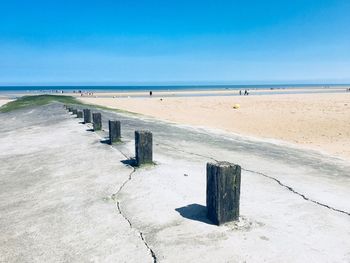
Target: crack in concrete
{"points": [[289, 188], [141, 235], [118, 205]]}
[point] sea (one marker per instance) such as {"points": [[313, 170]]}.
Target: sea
{"points": [[14, 91]]}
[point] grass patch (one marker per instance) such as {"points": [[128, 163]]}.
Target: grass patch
{"points": [[37, 100]]}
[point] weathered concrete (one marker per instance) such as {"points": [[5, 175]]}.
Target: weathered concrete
{"points": [[49, 211], [79, 114], [143, 147], [114, 131], [87, 115], [97, 121], [223, 192], [263, 231], [56, 189]]}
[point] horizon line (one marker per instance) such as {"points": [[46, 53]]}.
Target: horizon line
{"points": [[180, 84]]}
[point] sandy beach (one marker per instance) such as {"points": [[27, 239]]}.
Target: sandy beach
{"points": [[175, 131], [209, 92], [3, 101], [317, 121]]}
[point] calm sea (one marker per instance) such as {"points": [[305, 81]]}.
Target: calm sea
{"points": [[30, 89]]}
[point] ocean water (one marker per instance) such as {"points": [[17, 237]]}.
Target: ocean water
{"points": [[30, 89]]}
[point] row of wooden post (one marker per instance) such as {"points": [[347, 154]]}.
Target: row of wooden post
{"points": [[223, 178]]}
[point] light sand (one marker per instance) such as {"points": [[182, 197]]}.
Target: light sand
{"points": [[170, 93], [318, 121], [4, 101]]}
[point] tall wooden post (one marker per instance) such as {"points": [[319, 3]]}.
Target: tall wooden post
{"points": [[87, 116], [79, 114], [114, 131], [74, 111], [143, 147], [223, 192], [97, 121]]}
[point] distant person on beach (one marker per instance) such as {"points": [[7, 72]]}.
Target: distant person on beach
{"points": [[240, 93], [150, 93]]}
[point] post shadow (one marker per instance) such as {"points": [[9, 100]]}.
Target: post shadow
{"points": [[131, 162], [105, 141], [194, 212]]}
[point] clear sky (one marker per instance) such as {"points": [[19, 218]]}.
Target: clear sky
{"points": [[174, 41]]}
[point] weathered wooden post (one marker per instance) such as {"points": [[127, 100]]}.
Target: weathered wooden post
{"points": [[97, 121], [79, 114], [75, 111], [69, 109], [223, 192], [143, 147], [87, 116], [114, 131]]}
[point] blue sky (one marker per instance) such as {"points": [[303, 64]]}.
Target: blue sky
{"points": [[174, 42]]}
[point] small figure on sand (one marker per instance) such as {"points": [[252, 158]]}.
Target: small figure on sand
{"points": [[150, 93], [246, 93], [240, 93]]}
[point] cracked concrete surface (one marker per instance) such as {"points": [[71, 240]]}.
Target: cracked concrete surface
{"points": [[64, 196], [55, 182]]}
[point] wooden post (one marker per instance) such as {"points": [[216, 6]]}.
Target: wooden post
{"points": [[223, 192], [114, 131], [97, 121], [75, 112], [79, 114], [87, 116], [143, 147]]}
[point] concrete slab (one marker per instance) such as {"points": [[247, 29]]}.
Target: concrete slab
{"points": [[57, 180], [66, 196]]}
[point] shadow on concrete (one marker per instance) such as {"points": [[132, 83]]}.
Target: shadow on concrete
{"points": [[131, 162], [81, 122], [90, 130], [194, 212], [105, 141]]}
